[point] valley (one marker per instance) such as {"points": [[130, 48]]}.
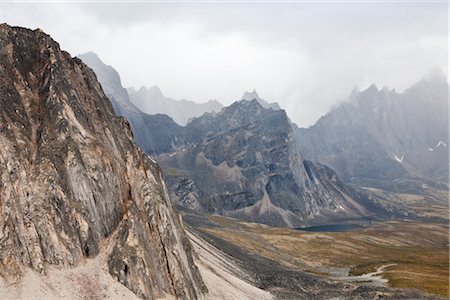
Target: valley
{"points": [[408, 254]]}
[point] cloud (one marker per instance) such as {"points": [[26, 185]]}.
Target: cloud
{"points": [[306, 56]]}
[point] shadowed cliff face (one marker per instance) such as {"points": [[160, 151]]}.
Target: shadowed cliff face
{"points": [[72, 180]]}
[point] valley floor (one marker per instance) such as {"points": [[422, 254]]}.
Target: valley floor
{"points": [[393, 259]]}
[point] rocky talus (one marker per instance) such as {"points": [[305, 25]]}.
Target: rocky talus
{"points": [[72, 178]]}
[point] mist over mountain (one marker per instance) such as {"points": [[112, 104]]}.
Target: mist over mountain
{"points": [[378, 136], [152, 101], [254, 95]]}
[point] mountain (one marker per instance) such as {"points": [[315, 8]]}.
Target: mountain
{"points": [[142, 125], [380, 136], [111, 84], [152, 101], [243, 162], [254, 95], [251, 169], [74, 188]]}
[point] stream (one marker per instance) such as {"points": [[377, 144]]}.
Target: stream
{"points": [[374, 278]]}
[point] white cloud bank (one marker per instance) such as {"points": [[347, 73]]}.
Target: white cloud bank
{"points": [[305, 56]]}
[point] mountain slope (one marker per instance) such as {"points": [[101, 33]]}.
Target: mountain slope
{"points": [[152, 101], [379, 135], [243, 162], [72, 179]]}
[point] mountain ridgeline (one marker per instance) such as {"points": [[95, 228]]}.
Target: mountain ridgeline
{"points": [[381, 138], [254, 95], [151, 101], [73, 184], [244, 162]]}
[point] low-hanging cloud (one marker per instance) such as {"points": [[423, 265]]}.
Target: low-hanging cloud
{"points": [[305, 56]]}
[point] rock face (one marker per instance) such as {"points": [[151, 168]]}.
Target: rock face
{"points": [[152, 101], [379, 136], [72, 179], [243, 162]]}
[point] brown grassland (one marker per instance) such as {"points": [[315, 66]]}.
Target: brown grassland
{"points": [[418, 251]]}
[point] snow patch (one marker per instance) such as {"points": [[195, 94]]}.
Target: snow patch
{"points": [[441, 143], [399, 159]]}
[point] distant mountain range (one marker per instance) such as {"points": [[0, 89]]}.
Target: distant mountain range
{"points": [[244, 161], [379, 137], [152, 101], [254, 95]]}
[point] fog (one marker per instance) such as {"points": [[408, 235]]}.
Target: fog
{"points": [[305, 56]]}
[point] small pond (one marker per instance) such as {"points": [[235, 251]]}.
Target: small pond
{"points": [[331, 228]]}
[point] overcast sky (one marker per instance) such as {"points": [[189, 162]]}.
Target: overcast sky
{"points": [[306, 56]]}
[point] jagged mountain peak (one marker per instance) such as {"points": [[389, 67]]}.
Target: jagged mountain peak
{"points": [[370, 90], [243, 162], [111, 83], [238, 114], [254, 95], [153, 92], [102, 70], [152, 101], [250, 95], [362, 138], [434, 83], [91, 55], [243, 105]]}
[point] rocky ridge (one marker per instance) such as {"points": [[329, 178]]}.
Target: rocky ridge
{"points": [[243, 162], [71, 178]]}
